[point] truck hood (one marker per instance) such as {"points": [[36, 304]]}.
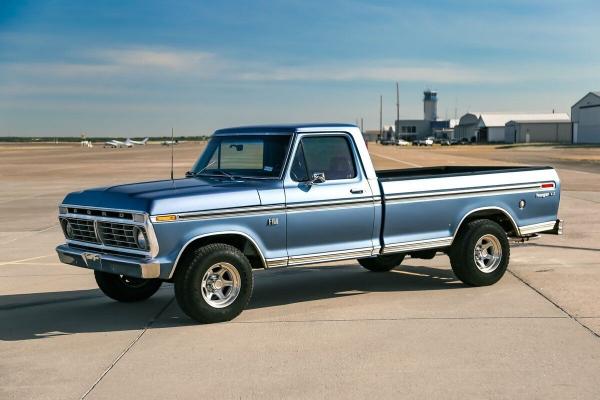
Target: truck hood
{"points": [[170, 196]]}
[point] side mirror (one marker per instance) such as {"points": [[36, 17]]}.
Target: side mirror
{"points": [[189, 174], [318, 177]]}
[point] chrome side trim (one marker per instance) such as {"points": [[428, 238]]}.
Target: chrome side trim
{"points": [[263, 210], [277, 262], [502, 210], [330, 256], [228, 213], [417, 245], [463, 193], [535, 228], [330, 205], [258, 249]]}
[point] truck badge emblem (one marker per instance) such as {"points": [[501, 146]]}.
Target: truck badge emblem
{"points": [[272, 221]]}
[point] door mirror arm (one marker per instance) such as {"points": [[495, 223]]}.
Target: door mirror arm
{"points": [[318, 177]]}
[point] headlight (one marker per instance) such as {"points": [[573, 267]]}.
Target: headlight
{"points": [[68, 229], [141, 240]]}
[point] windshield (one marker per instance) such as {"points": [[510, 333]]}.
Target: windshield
{"points": [[253, 156]]}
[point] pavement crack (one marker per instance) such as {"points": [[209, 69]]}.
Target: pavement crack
{"points": [[555, 304], [293, 321], [129, 347]]}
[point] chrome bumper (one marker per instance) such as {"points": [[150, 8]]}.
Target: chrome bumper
{"points": [[133, 267]]}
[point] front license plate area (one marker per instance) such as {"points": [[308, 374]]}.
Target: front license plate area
{"points": [[92, 260]]}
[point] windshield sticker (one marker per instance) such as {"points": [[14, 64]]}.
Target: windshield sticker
{"points": [[268, 169]]}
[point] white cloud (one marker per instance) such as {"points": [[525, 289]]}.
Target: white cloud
{"points": [[428, 72], [138, 62], [156, 58]]}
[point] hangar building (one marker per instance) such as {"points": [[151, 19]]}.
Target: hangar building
{"points": [[489, 127], [539, 131], [585, 115]]}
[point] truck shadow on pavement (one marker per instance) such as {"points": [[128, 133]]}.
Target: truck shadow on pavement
{"points": [[295, 285], [54, 314]]}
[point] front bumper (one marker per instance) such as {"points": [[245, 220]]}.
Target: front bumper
{"points": [[120, 265]]}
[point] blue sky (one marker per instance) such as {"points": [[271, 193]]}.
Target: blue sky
{"points": [[137, 68]]}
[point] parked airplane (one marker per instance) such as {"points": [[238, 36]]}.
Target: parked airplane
{"points": [[172, 142], [138, 142], [117, 144]]}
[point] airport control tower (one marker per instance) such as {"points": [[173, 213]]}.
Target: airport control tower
{"points": [[430, 105]]}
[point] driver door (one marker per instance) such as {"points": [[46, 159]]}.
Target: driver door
{"points": [[332, 217]]}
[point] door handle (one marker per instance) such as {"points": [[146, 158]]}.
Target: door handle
{"points": [[356, 191]]}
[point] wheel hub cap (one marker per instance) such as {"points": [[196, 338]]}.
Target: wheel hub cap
{"points": [[488, 253], [221, 285]]}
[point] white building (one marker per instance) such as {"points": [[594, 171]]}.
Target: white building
{"points": [[538, 131], [585, 115], [489, 127]]}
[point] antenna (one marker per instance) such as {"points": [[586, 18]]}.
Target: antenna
{"points": [[172, 146]]}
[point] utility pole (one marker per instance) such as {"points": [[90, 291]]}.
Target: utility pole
{"points": [[397, 124], [362, 127], [381, 116]]}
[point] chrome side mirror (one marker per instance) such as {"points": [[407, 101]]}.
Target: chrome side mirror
{"points": [[318, 177]]}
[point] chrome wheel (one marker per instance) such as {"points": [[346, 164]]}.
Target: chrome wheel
{"points": [[221, 285], [488, 253]]}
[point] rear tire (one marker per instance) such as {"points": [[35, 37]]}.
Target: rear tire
{"points": [[381, 263], [480, 253], [126, 289], [214, 284]]}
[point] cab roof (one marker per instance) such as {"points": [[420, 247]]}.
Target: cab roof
{"points": [[282, 128]]}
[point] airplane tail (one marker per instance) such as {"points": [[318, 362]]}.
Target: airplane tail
{"points": [[145, 140]]}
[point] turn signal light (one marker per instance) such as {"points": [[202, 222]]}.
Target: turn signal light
{"points": [[165, 218], [549, 185]]}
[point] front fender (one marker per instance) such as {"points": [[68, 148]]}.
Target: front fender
{"points": [[174, 237]]}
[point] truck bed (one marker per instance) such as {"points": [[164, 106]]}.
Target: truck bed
{"points": [[430, 203], [447, 171]]}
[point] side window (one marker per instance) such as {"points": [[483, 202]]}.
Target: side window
{"points": [[330, 155], [299, 172]]}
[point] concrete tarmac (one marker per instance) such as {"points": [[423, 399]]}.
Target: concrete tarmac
{"points": [[326, 331]]}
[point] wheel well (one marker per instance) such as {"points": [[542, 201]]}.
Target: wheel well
{"points": [[240, 242], [501, 217]]}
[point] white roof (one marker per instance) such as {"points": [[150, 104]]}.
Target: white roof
{"points": [[500, 119]]}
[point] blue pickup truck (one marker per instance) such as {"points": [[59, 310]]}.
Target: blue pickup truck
{"points": [[285, 195]]}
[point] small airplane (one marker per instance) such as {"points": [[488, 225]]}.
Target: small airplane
{"points": [[115, 144], [172, 142], [137, 142]]}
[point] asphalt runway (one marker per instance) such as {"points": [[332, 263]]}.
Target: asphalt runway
{"points": [[325, 331]]}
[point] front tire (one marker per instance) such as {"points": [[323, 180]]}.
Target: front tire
{"points": [[214, 283], [382, 263], [480, 253], [125, 289]]}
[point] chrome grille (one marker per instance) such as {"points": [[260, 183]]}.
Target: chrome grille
{"points": [[118, 235], [83, 230]]}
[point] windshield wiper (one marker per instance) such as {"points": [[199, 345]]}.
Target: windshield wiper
{"points": [[201, 172], [227, 174]]}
